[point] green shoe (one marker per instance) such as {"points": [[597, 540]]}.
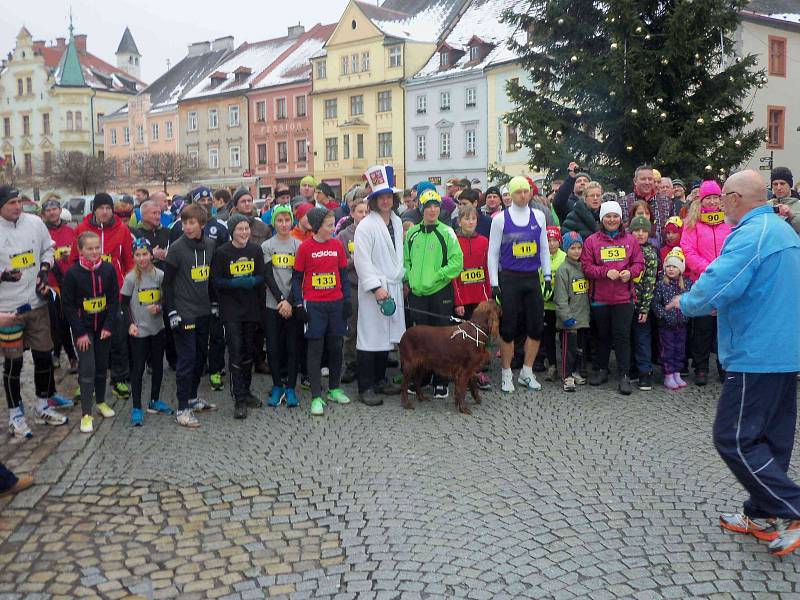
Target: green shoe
{"points": [[215, 379], [338, 396], [317, 407]]}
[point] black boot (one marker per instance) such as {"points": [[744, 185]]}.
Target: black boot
{"points": [[370, 398], [599, 377], [239, 410]]}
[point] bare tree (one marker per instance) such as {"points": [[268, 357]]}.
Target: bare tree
{"points": [[164, 167], [79, 171]]}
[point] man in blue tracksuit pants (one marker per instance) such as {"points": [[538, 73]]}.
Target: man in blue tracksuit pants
{"points": [[754, 287]]}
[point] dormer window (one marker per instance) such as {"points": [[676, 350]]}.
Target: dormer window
{"points": [[444, 58], [218, 77], [241, 74], [474, 53]]}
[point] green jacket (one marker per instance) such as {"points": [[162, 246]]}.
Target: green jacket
{"points": [[432, 258], [571, 295], [647, 280], [555, 261]]}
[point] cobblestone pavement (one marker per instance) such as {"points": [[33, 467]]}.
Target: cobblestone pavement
{"points": [[542, 495]]}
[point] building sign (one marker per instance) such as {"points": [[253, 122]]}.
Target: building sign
{"points": [[435, 180]]}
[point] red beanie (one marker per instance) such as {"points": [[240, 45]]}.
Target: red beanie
{"points": [[302, 210], [534, 187], [554, 233]]}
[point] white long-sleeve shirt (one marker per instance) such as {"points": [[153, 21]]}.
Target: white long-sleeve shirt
{"points": [[520, 216]]}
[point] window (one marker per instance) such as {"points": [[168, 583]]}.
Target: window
{"points": [[192, 125], [46, 123], [261, 150], [126, 135], [213, 158], [70, 122], [512, 138], [474, 53], [113, 137], [233, 115], [444, 58], [514, 81], [354, 63], [356, 105], [422, 147], [346, 146], [28, 164], [26, 125], [444, 101], [322, 69], [360, 145], [300, 106], [444, 144], [330, 109], [193, 158], [385, 101], [345, 64], [385, 144], [469, 142], [280, 108], [168, 128], [469, 97], [302, 151], [6, 127], [100, 122], [78, 121], [29, 85], [213, 118], [365, 61], [395, 56], [140, 134], [48, 162], [422, 104], [283, 153], [777, 56], [20, 89], [331, 149], [775, 126], [154, 132], [261, 111], [235, 153]]}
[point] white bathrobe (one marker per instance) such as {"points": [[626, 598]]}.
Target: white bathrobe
{"points": [[379, 263]]}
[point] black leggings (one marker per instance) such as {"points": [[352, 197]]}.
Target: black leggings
{"points": [[283, 348], [613, 325], [521, 296], [371, 369], [43, 378], [704, 341], [240, 339], [333, 344], [59, 329], [144, 351], [92, 367]]}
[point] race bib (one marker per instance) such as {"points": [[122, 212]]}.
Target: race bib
{"points": [[106, 258], [200, 273], [473, 275], [149, 296], [524, 249], [23, 260], [283, 261], [242, 267], [613, 253], [62, 252], [94, 305], [713, 218], [351, 246], [323, 281], [580, 286]]}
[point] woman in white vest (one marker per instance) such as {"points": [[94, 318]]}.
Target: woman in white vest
{"points": [[378, 260]]}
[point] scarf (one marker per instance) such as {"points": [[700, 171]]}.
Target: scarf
{"points": [[89, 266]]}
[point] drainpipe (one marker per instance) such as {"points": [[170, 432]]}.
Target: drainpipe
{"points": [[91, 116]]}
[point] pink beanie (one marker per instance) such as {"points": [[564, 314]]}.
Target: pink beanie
{"points": [[709, 188]]}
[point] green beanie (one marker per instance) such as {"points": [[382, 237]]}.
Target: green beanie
{"points": [[518, 183], [640, 222], [281, 208]]}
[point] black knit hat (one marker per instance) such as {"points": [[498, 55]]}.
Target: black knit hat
{"points": [[237, 195], [234, 220], [7, 192], [325, 189], [102, 199], [782, 174], [493, 190], [316, 216]]}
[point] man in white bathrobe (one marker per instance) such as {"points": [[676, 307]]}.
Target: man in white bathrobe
{"points": [[378, 260]]}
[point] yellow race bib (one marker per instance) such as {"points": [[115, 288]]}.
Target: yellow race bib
{"points": [[351, 246], [713, 218], [580, 286], [94, 305], [323, 281], [473, 275], [613, 253], [106, 258], [149, 296], [62, 252], [200, 273], [241, 268], [524, 249], [23, 260], [283, 261]]}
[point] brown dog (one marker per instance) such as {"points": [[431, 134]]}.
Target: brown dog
{"points": [[456, 352]]}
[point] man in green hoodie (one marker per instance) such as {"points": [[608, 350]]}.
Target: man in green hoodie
{"points": [[432, 258]]}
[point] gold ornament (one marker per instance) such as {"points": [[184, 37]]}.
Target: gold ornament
{"points": [[574, 58], [558, 133], [639, 29], [634, 111], [663, 115], [537, 146], [708, 167], [579, 113], [737, 143], [561, 21], [664, 61], [629, 148], [700, 120], [614, 45]]}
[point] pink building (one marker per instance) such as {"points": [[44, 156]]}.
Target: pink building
{"points": [[280, 116]]}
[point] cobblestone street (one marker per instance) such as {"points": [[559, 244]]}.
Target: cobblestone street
{"points": [[543, 495]]}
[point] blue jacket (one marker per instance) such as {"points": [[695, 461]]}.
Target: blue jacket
{"points": [[754, 285]]}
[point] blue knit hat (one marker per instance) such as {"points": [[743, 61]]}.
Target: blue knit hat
{"points": [[424, 185], [569, 238]]}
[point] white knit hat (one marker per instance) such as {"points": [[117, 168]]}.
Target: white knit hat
{"points": [[675, 259], [610, 207]]}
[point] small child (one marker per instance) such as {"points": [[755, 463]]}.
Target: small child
{"points": [[642, 363], [548, 347], [672, 323], [320, 291], [141, 302], [471, 287], [358, 210], [572, 310], [672, 236], [90, 293]]}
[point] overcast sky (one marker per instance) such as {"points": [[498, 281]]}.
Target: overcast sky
{"points": [[162, 29]]}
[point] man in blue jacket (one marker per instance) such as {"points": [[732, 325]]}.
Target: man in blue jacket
{"points": [[755, 290]]}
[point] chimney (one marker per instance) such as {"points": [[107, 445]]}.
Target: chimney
{"points": [[38, 46], [223, 43], [80, 42], [198, 48], [61, 43], [296, 31]]}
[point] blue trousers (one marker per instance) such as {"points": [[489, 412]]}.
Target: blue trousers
{"points": [[642, 345], [754, 434], [7, 479]]}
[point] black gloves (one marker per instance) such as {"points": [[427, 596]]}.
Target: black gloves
{"points": [[300, 313], [347, 309], [496, 294], [11, 275], [547, 291]]}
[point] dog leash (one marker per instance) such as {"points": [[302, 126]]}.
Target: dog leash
{"points": [[464, 334], [430, 314]]}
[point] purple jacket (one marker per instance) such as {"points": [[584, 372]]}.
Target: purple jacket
{"points": [[601, 253]]}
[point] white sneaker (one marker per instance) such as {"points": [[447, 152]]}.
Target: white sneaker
{"points": [[507, 383], [186, 418], [578, 379], [18, 427], [49, 416], [529, 381], [324, 371], [201, 405]]}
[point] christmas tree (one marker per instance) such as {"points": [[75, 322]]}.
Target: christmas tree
{"points": [[619, 83]]}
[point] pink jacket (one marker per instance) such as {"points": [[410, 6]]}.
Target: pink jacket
{"points": [[701, 245], [597, 262]]}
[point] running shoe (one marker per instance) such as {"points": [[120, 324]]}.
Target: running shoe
{"points": [[764, 529], [240, 410], [325, 372], [49, 416], [159, 407], [305, 382], [201, 405], [275, 396], [552, 373], [137, 417], [529, 382], [59, 402], [569, 384], [291, 398], [120, 390], [625, 387], [440, 391], [507, 382], [18, 427], [788, 539], [483, 382], [646, 382], [215, 381], [87, 424], [317, 407], [186, 418], [338, 396], [105, 410], [579, 379]]}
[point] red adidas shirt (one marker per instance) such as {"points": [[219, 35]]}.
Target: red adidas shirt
{"points": [[321, 263]]}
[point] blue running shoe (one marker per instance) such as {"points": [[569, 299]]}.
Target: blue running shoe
{"points": [[137, 417], [291, 398], [275, 396], [59, 402], [159, 407]]}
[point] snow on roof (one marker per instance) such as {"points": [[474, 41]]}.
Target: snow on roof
{"points": [[420, 20], [297, 66], [791, 17]]}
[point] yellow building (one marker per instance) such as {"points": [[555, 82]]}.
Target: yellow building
{"points": [[357, 98]]}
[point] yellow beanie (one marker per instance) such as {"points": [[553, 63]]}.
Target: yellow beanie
{"points": [[518, 183]]}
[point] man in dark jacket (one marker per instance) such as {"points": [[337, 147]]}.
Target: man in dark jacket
{"points": [[570, 191]]}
